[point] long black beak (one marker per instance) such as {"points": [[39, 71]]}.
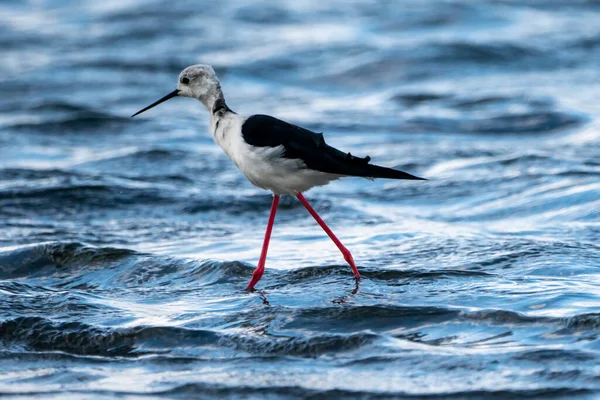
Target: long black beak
{"points": [[167, 97]]}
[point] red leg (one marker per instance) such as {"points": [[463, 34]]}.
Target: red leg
{"points": [[260, 268], [344, 250]]}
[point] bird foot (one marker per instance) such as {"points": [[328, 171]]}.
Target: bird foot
{"points": [[256, 275], [350, 260]]}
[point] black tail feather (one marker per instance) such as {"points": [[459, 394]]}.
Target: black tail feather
{"points": [[375, 171], [350, 165]]}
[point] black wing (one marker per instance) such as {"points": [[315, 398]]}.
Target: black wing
{"points": [[310, 147]]}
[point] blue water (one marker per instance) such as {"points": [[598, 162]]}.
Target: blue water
{"points": [[125, 243]]}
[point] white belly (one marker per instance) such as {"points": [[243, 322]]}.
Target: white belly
{"points": [[264, 166]]}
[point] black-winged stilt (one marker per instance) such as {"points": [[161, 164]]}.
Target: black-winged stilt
{"points": [[274, 155]]}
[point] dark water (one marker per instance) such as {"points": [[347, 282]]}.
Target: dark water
{"points": [[124, 244]]}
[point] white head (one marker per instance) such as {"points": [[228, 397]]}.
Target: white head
{"points": [[198, 81]]}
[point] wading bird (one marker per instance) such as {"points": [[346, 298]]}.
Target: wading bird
{"points": [[273, 154]]}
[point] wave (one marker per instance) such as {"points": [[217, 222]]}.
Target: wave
{"points": [[297, 346], [45, 335], [334, 273], [493, 53], [125, 185], [416, 98], [253, 390], [27, 174], [40, 334], [525, 123], [54, 258], [65, 264], [25, 334], [429, 60], [550, 355], [56, 117], [70, 259], [301, 392], [73, 198], [380, 317], [264, 14], [486, 114], [65, 261]]}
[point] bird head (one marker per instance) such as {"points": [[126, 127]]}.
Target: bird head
{"points": [[197, 81]]}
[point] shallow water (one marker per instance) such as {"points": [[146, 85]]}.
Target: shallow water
{"points": [[124, 244]]}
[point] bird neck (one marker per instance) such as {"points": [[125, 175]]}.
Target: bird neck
{"points": [[219, 107], [212, 97]]}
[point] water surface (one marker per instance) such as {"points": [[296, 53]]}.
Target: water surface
{"points": [[125, 244]]}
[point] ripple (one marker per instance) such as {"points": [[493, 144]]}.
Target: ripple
{"points": [[59, 118], [72, 198], [79, 265], [39, 334], [488, 53], [301, 347], [526, 123]]}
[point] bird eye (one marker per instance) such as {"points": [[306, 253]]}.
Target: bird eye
{"points": [[185, 80]]}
